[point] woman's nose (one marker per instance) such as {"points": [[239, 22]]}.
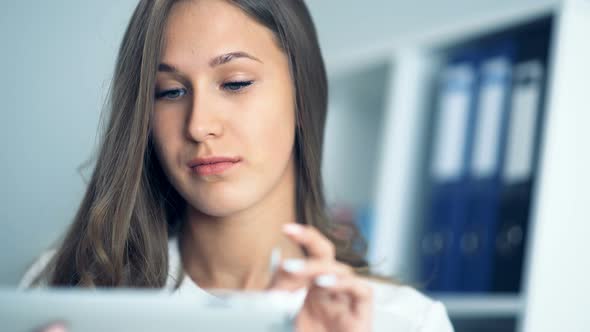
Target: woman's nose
{"points": [[204, 120]]}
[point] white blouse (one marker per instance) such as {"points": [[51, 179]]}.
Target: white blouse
{"points": [[400, 308]]}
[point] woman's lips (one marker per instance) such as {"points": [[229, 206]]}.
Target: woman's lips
{"points": [[213, 168]]}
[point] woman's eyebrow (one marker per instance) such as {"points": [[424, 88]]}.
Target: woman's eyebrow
{"points": [[216, 61], [227, 57]]}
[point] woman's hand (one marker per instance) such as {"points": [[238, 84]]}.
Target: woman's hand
{"points": [[337, 300]]}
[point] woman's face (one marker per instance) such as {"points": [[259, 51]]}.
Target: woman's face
{"points": [[223, 90]]}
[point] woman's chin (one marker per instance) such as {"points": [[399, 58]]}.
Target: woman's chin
{"points": [[219, 209]]}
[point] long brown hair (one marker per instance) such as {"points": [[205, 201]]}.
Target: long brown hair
{"points": [[119, 236]]}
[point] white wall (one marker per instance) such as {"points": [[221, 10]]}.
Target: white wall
{"points": [[558, 292], [57, 57]]}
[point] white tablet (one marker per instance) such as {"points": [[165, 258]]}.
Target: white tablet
{"points": [[140, 310]]}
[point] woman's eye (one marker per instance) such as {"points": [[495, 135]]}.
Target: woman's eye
{"points": [[171, 94], [236, 86]]}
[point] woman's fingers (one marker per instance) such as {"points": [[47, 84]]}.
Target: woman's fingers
{"points": [[298, 273], [293, 274], [316, 244], [337, 303], [337, 300], [360, 293], [307, 268]]}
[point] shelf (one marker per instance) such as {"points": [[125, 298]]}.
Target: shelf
{"points": [[400, 193], [481, 306]]}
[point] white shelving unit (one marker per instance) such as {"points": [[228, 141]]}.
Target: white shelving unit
{"points": [[553, 266], [483, 306]]}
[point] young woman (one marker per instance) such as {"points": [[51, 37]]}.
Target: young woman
{"points": [[210, 159]]}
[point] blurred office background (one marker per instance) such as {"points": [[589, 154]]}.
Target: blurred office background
{"points": [[454, 141]]}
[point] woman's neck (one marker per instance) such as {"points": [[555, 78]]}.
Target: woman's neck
{"points": [[233, 256], [234, 252]]}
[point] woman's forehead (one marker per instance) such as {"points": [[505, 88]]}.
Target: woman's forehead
{"points": [[205, 29]]}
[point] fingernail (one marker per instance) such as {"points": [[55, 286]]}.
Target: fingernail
{"points": [[293, 265], [275, 259], [292, 229], [325, 280]]}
